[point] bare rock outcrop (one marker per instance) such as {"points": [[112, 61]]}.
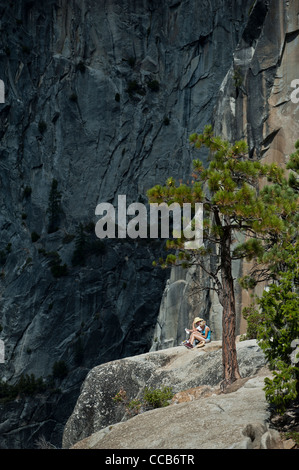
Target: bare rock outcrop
{"points": [[214, 422], [194, 375]]}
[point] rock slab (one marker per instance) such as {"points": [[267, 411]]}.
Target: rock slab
{"points": [[181, 369], [214, 422]]}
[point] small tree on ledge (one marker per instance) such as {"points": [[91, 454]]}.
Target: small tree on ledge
{"points": [[235, 208]]}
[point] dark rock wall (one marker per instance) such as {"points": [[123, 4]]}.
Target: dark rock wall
{"points": [[101, 97]]}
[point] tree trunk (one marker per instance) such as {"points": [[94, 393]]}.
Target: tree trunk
{"points": [[227, 300]]}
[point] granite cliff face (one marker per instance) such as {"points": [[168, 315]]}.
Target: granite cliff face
{"points": [[254, 103], [100, 100]]}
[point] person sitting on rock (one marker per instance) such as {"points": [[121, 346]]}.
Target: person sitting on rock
{"points": [[206, 332], [203, 337], [196, 330]]}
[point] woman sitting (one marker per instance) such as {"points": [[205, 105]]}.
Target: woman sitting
{"points": [[203, 337]]}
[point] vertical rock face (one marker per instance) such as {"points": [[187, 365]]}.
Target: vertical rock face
{"points": [[254, 103], [101, 98]]}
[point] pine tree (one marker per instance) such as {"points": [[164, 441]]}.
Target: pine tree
{"points": [[274, 317], [235, 208]]}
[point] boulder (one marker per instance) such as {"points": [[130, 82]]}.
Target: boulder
{"points": [[213, 422], [179, 368]]}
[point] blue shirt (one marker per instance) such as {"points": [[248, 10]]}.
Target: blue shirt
{"points": [[209, 333]]}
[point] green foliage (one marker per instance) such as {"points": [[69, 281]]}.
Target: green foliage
{"points": [[292, 435], [120, 397], [86, 246], [134, 87], [293, 164], [249, 250], [237, 77], [27, 385], [57, 269], [254, 319], [280, 307], [274, 321], [157, 398], [151, 398], [171, 259], [266, 219], [132, 407], [283, 388], [238, 205]]}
